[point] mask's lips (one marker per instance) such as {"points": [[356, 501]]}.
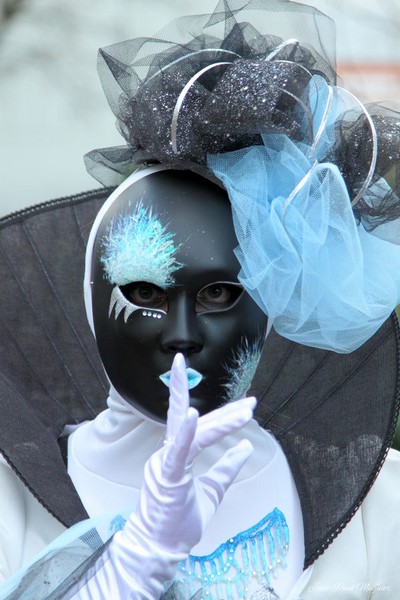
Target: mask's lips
{"points": [[193, 377]]}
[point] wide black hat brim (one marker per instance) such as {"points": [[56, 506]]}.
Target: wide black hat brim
{"points": [[333, 414]]}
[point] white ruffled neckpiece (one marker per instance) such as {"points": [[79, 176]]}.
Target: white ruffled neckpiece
{"points": [[106, 459]]}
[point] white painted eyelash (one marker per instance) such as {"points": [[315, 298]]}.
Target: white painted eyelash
{"points": [[120, 303]]}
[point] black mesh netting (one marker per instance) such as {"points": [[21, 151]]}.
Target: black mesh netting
{"points": [[208, 84], [235, 93]]}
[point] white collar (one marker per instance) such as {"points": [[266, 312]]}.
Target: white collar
{"points": [[106, 458]]}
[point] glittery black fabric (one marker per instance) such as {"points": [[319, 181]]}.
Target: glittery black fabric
{"points": [[202, 127]]}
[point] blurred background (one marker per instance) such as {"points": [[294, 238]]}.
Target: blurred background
{"points": [[52, 108]]}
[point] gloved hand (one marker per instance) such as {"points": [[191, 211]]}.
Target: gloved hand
{"points": [[174, 507]]}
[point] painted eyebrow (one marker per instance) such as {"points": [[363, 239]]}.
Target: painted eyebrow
{"points": [[138, 247]]}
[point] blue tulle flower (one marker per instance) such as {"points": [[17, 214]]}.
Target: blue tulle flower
{"points": [[319, 276]]}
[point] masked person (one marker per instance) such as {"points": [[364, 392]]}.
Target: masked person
{"points": [[262, 199]]}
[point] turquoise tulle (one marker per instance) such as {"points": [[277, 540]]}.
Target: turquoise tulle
{"points": [[319, 276], [59, 562], [70, 557]]}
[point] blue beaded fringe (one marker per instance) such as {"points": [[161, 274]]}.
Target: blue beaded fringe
{"points": [[256, 552]]}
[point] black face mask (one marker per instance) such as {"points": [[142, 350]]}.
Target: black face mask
{"points": [[165, 281]]}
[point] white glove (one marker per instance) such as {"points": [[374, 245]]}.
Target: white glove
{"points": [[174, 507]]}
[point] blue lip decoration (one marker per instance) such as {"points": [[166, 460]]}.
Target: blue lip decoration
{"points": [[193, 377]]}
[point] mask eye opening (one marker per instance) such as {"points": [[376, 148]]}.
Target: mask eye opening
{"points": [[145, 295], [218, 296]]}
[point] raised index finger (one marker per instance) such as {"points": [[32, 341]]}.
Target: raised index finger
{"points": [[178, 398]]}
